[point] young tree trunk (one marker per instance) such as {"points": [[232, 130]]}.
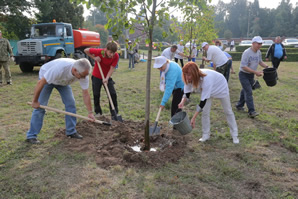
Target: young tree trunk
{"points": [[147, 115]]}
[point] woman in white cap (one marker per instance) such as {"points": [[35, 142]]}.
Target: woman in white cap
{"points": [[210, 84], [170, 82]]}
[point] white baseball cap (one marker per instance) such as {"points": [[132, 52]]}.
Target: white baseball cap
{"points": [[204, 44], [257, 39], [159, 61]]}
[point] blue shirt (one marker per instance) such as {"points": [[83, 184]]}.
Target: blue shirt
{"points": [[173, 81], [278, 51]]}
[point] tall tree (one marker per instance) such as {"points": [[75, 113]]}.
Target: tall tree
{"points": [[13, 22], [61, 11], [145, 13], [283, 25]]}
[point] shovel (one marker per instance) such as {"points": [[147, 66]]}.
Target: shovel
{"points": [[154, 130], [72, 114], [115, 116]]}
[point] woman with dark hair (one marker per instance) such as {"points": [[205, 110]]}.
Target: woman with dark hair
{"points": [[210, 84]]}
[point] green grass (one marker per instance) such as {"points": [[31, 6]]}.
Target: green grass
{"points": [[263, 165]]}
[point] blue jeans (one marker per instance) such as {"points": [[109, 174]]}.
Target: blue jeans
{"points": [[192, 59], [38, 114], [131, 58], [246, 80]]}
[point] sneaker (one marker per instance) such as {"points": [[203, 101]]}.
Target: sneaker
{"points": [[239, 108], [235, 140], [97, 115], [76, 136], [204, 138], [33, 141], [9, 83], [253, 114]]}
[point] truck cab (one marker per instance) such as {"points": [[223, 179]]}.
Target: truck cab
{"points": [[47, 41]]}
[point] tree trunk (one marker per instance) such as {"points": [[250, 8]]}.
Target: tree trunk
{"points": [[147, 108]]}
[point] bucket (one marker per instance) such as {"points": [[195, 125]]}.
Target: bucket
{"points": [[270, 76], [181, 122]]}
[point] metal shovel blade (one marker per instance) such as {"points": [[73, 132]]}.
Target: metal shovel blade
{"points": [[154, 130], [117, 118]]}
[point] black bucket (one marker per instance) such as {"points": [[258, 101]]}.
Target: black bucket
{"points": [[270, 76]]}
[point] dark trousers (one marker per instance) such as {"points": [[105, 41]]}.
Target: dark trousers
{"points": [[223, 69], [96, 87], [181, 61], [177, 97], [275, 62]]}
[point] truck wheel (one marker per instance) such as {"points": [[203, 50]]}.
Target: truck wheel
{"points": [[26, 67], [58, 55]]}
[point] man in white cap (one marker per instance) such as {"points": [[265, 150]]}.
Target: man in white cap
{"points": [[5, 54], [170, 82], [217, 56], [177, 57], [170, 52], [251, 58]]}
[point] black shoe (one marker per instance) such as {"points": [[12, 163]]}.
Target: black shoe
{"points": [[9, 83], [33, 141], [76, 136], [253, 114], [239, 108]]}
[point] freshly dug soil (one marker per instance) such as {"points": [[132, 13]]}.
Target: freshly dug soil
{"points": [[112, 145]]}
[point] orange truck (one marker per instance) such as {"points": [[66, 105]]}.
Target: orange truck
{"points": [[49, 41]]}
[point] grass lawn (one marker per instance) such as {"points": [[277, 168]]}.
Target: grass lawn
{"points": [[263, 165]]}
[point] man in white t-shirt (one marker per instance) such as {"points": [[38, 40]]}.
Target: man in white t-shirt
{"points": [[170, 52], [217, 56], [177, 56], [58, 74]]}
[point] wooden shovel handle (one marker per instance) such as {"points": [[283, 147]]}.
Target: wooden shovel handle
{"points": [[158, 114], [106, 86], [71, 114]]}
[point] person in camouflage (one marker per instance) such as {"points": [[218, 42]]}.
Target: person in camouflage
{"points": [[5, 54]]}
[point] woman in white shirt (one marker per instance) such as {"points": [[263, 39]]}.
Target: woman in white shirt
{"points": [[210, 84]]}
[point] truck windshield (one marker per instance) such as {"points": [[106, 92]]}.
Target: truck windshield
{"points": [[50, 30]]}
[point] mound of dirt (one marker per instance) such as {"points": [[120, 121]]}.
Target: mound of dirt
{"points": [[120, 144]]}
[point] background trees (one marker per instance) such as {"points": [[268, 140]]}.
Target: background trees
{"points": [[246, 19]]}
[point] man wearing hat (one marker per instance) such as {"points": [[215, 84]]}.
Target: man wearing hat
{"points": [[177, 57], [251, 58], [5, 54], [170, 82], [217, 56]]}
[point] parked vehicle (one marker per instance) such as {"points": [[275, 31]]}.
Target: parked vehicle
{"points": [[291, 42], [245, 43], [49, 41], [267, 42], [224, 42]]}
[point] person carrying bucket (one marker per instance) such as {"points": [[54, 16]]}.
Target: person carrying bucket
{"points": [[210, 84], [251, 58], [170, 82]]}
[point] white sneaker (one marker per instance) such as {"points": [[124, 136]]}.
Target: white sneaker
{"points": [[97, 115], [204, 138], [235, 140]]}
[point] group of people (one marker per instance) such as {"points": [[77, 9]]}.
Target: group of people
{"points": [[174, 80], [62, 72], [213, 83]]}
